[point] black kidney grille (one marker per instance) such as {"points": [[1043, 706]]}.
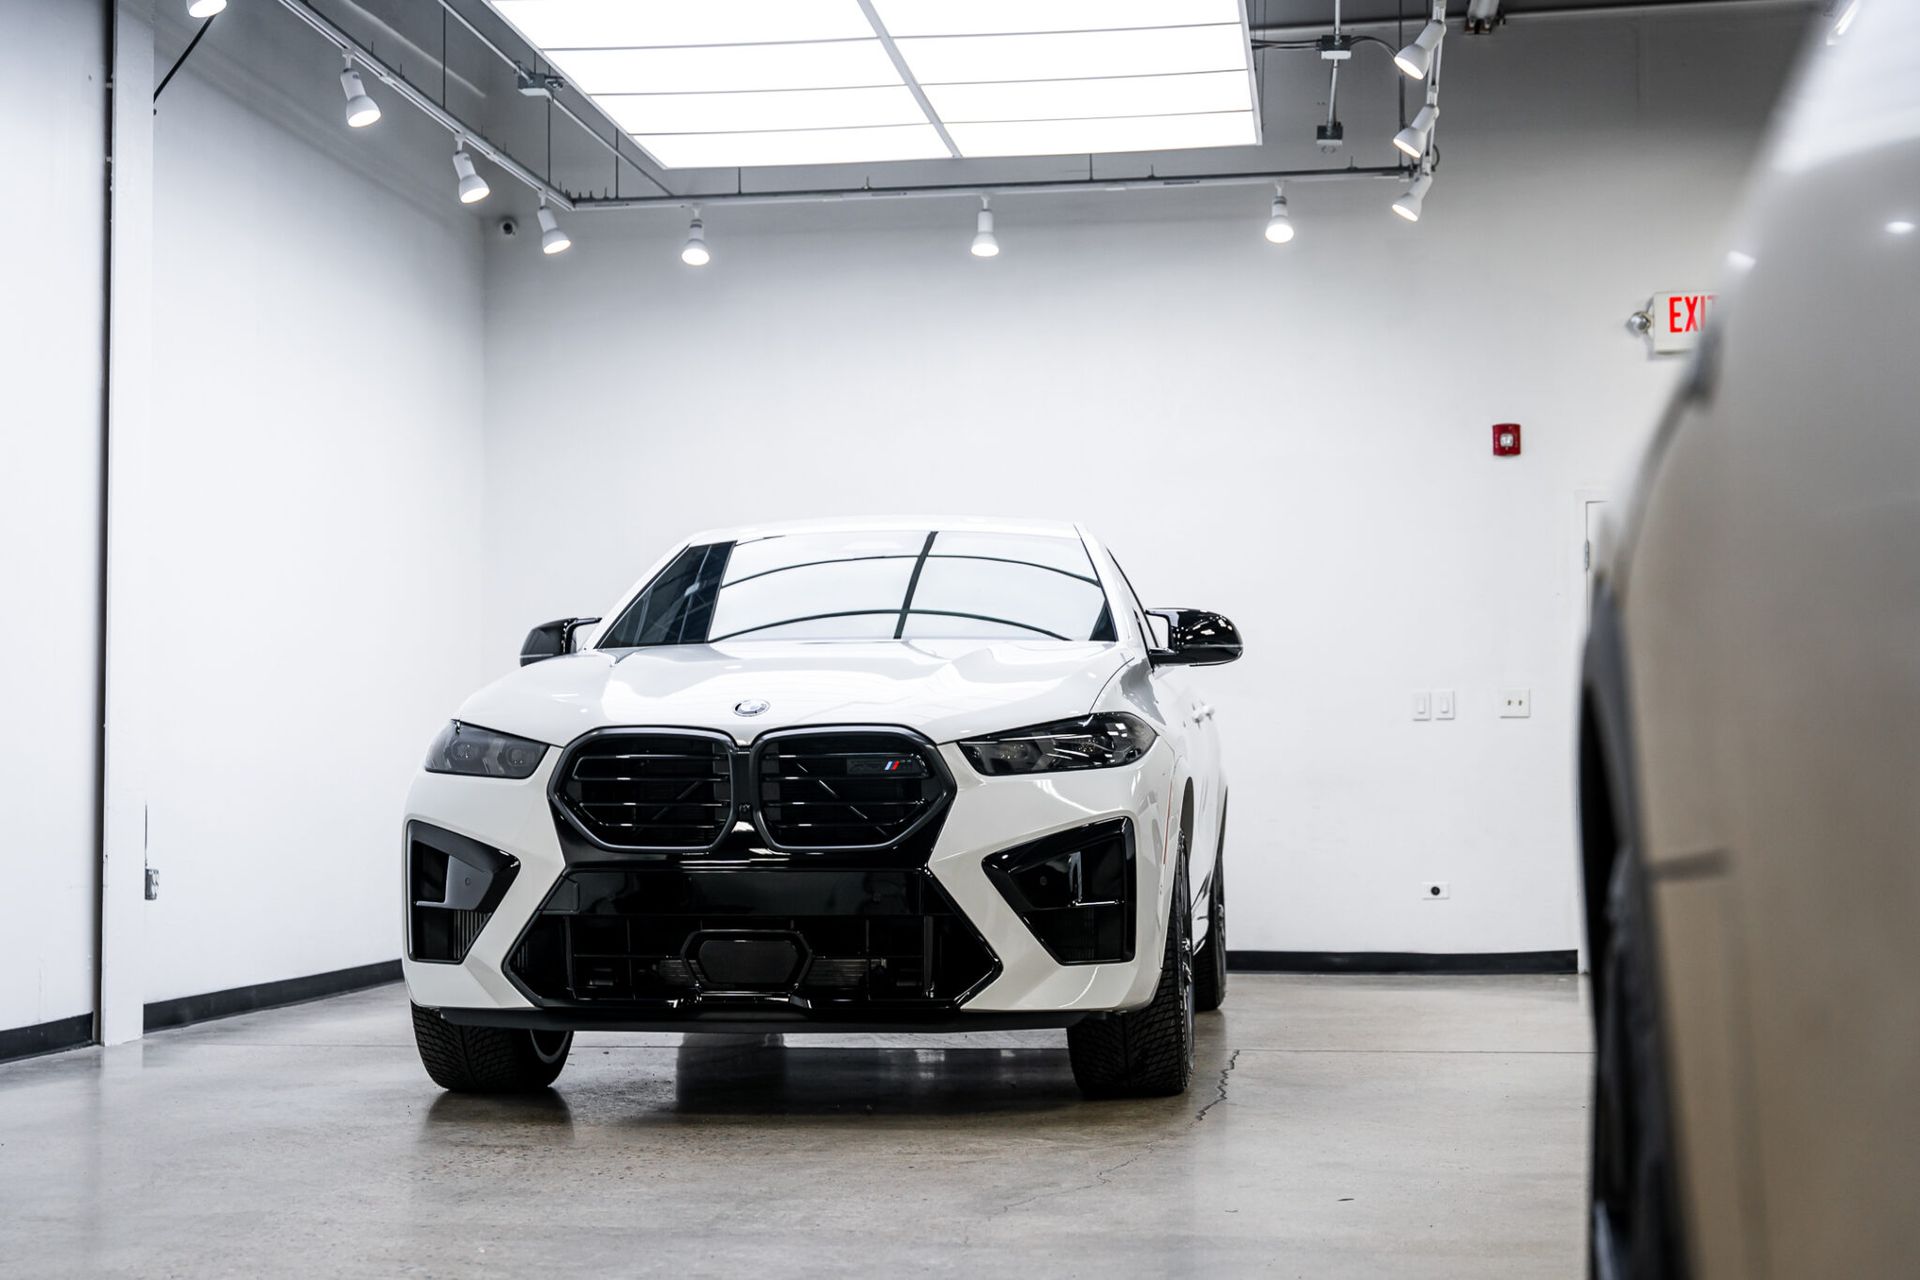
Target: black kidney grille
{"points": [[650, 791], [846, 790]]}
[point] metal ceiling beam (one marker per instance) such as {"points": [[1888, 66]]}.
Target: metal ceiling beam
{"points": [[975, 189], [1509, 13], [493, 46], [905, 73]]}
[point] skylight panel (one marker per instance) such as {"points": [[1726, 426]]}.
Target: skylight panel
{"points": [[795, 82], [1079, 99], [1117, 134], [795, 146], [1075, 54], [992, 17], [603, 24], [779, 109], [722, 68]]}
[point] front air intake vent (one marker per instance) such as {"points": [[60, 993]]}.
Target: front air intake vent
{"points": [[453, 886], [682, 938], [846, 788], [648, 791]]}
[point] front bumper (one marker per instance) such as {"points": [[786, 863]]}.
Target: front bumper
{"points": [[1019, 983]]}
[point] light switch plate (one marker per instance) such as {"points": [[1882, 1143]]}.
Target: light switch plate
{"points": [[1443, 704], [1422, 705], [1516, 704]]}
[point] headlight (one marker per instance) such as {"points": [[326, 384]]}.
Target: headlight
{"points": [[1091, 742], [467, 748]]}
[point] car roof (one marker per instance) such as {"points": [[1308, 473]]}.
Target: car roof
{"points": [[874, 524]]}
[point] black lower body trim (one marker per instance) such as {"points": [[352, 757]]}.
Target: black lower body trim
{"points": [[46, 1037], [660, 942], [1402, 961], [267, 995], [745, 1022]]}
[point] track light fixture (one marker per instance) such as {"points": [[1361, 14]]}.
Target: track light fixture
{"points": [[206, 8], [985, 245], [361, 110], [1847, 15], [1413, 138], [1408, 205], [1417, 58], [1279, 225], [695, 252], [552, 238], [473, 187]]}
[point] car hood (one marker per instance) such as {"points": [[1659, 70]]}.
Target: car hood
{"points": [[945, 689]]}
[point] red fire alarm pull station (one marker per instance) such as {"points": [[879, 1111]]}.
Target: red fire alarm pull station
{"points": [[1506, 439]]}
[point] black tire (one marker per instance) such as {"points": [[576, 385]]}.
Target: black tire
{"points": [[488, 1059], [1210, 969], [1149, 1052], [1633, 1223]]}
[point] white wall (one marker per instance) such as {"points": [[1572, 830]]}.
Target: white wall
{"points": [[52, 112], [315, 549], [1296, 436]]}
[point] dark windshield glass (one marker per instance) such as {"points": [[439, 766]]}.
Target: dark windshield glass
{"points": [[879, 585]]}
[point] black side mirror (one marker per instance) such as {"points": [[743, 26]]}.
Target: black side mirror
{"points": [[551, 639], [1196, 638]]}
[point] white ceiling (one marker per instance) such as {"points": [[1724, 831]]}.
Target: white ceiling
{"points": [[763, 82]]}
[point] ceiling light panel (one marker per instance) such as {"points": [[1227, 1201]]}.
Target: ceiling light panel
{"points": [[604, 24], [794, 82], [1122, 133], [794, 146], [997, 17], [780, 109], [1067, 55], [1081, 99], [727, 68]]}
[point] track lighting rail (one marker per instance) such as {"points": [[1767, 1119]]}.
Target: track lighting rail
{"points": [[392, 79], [952, 189]]}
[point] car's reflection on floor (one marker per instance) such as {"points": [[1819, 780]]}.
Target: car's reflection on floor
{"points": [[751, 1075]]}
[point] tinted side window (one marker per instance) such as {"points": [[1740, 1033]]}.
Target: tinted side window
{"points": [[1153, 629], [677, 607]]}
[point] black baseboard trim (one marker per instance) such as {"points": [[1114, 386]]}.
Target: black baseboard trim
{"points": [[1402, 961], [162, 1014], [46, 1037]]}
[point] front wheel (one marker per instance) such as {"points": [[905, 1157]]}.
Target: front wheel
{"points": [[488, 1059], [1149, 1052], [1633, 1227]]}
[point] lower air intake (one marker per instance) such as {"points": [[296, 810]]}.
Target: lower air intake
{"points": [[818, 941], [1074, 890], [453, 886]]}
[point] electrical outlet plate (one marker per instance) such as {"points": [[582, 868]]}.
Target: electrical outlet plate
{"points": [[1443, 704], [1516, 704], [1422, 705], [1435, 890]]}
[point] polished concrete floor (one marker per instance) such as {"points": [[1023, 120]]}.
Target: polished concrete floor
{"points": [[1341, 1126]]}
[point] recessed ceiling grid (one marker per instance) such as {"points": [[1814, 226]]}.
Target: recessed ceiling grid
{"points": [[794, 82]]}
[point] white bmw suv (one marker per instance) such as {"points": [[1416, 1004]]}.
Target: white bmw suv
{"points": [[855, 775]]}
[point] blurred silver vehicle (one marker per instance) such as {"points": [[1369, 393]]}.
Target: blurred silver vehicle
{"points": [[1750, 750]]}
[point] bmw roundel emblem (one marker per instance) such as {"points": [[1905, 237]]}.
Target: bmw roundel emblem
{"points": [[750, 706]]}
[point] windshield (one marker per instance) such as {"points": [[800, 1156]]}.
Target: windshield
{"points": [[874, 585]]}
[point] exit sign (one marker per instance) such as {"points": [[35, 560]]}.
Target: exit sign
{"points": [[1677, 319]]}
